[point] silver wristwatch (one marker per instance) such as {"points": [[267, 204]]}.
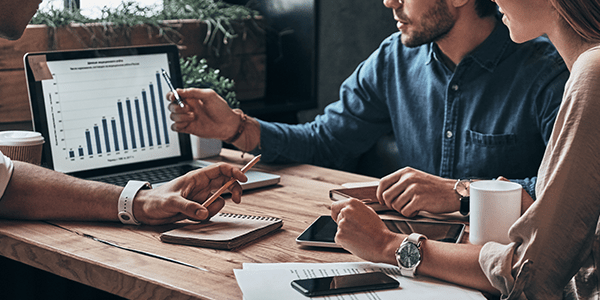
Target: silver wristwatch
{"points": [[461, 188], [409, 254]]}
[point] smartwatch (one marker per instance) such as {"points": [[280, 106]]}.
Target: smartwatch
{"points": [[461, 188], [409, 255], [125, 207]]}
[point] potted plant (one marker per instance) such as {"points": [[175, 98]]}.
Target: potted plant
{"points": [[231, 39], [196, 73]]}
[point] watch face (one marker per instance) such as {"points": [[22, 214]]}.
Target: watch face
{"points": [[462, 188], [409, 255]]}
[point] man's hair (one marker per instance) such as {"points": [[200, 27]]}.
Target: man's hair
{"points": [[582, 15], [485, 8]]}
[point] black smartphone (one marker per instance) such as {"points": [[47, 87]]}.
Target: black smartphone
{"points": [[344, 284], [321, 232]]}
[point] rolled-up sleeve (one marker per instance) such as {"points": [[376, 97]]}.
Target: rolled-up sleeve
{"points": [[496, 262], [6, 168]]}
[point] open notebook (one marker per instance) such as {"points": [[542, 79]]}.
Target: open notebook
{"points": [[103, 114]]}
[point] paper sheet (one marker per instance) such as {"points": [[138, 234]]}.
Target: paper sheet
{"points": [[272, 281]]}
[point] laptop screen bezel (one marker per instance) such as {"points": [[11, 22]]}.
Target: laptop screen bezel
{"points": [[36, 102]]}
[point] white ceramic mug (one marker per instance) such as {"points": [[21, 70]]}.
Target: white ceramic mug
{"points": [[494, 206], [22, 145]]}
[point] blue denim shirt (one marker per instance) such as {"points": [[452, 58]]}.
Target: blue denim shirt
{"points": [[491, 116]]}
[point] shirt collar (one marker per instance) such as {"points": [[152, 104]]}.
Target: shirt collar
{"points": [[488, 54]]}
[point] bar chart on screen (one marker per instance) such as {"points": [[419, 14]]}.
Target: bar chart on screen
{"points": [[109, 110]]}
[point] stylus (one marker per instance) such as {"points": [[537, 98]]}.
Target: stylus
{"points": [[175, 94]]}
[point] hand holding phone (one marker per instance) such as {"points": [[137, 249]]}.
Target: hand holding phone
{"points": [[344, 284]]}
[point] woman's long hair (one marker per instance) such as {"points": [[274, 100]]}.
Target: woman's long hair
{"points": [[582, 15]]}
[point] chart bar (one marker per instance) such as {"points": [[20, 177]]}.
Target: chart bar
{"points": [[113, 124], [131, 130], [122, 119], [106, 136], [97, 136], [162, 107], [147, 114], [71, 154], [80, 151], [155, 111], [139, 122], [88, 139]]}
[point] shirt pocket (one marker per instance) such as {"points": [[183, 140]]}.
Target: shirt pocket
{"points": [[491, 155], [490, 140]]}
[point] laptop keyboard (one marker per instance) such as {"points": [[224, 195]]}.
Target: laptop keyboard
{"points": [[154, 175]]}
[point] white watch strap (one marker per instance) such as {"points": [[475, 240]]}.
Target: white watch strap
{"points": [[416, 238], [126, 201]]}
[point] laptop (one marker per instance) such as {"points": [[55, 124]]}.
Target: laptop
{"points": [[103, 115]]}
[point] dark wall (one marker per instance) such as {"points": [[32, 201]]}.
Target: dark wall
{"points": [[348, 32], [312, 47]]}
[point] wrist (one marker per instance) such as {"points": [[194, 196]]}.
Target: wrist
{"points": [[126, 205], [389, 251], [462, 191], [249, 139], [239, 127]]}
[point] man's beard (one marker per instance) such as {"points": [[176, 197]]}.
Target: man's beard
{"points": [[435, 24]]}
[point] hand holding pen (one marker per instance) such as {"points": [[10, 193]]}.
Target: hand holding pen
{"points": [[230, 182], [170, 84]]}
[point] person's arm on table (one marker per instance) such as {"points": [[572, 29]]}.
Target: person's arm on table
{"points": [[409, 191], [38, 193], [363, 233]]}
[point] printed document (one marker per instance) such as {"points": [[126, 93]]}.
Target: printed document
{"points": [[272, 281]]}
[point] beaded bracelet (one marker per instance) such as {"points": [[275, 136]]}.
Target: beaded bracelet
{"points": [[240, 129]]}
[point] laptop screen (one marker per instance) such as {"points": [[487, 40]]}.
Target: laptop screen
{"points": [[104, 110]]}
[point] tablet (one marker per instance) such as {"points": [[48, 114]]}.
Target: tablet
{"points": [[322, 231]]}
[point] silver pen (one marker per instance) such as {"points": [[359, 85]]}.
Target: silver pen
{"points": [[175, 94]]}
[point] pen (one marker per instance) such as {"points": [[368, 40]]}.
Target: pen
{"points": [[230, 182], [175, 94]]}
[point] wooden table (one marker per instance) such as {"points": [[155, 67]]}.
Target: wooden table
{"points": [[299, 199], [301, 196]]}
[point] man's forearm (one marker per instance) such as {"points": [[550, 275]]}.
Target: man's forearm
{"points": [[38, 193]]}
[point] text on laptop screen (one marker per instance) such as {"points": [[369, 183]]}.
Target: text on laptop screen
{"points": [[104, 112]]}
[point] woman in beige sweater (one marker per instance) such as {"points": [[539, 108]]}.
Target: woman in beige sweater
{"points": [[555, 244]]}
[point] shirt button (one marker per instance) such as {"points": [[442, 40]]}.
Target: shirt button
{"points": [[449, 134], [455, 87]]}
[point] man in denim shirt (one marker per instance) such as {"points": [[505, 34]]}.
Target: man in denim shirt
{"points": [[462, 101]]}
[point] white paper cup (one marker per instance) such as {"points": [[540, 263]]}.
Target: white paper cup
{"points": [[494, 206], [22, 145]]}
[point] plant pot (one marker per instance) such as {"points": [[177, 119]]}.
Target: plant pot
{"points": [[202, 148]]}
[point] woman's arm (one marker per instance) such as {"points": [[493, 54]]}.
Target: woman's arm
{"points": [[363, 233]]}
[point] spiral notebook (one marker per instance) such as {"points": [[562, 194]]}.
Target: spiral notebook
{"points": [[223, 231]]}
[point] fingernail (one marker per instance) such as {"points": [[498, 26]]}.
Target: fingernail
{"points": [[201, 213]]}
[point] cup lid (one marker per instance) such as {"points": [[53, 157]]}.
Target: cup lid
{"points": [[20, 138]]}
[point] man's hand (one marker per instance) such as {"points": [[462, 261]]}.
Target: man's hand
{"points": [[363, 233], [205, 114], [410, 191], [181, 198]]}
